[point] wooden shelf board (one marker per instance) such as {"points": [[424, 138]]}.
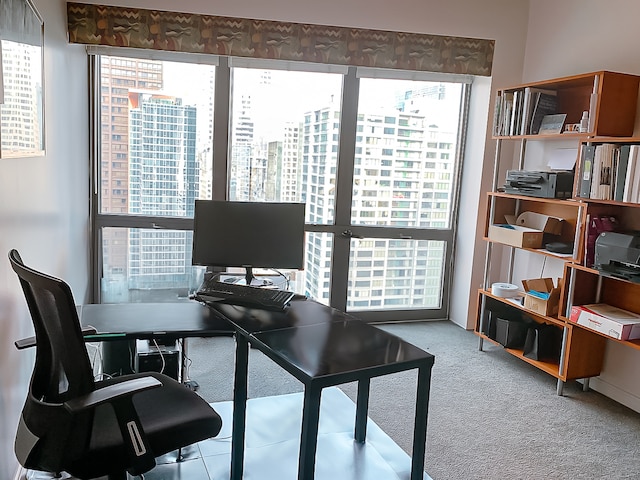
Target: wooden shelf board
{"points": [[510, 302], [547, 137], [614, 140], [630, 343], [569, 202], [609, 202], [547, 367], [540, 251]]}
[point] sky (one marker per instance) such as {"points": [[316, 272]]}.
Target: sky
{"points": [[279, 96]]}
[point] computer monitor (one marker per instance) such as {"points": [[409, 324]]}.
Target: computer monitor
{"points": [[249, 235]]}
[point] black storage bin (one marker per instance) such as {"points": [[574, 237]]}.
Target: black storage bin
{"points": [[543, 342], [489, 327], [511, 333], [495, 310]]}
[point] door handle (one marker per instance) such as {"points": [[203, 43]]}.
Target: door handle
{"points": [[350, 234]]}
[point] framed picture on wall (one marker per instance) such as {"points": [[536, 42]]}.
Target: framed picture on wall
{"points": [[21, 80]]}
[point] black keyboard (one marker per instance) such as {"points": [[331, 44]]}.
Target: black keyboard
{"points": [[234, 294]]}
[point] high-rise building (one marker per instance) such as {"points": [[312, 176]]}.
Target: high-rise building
{"points": [[284, 157], [164, 181], [320, 134], [242, 151], [118, 76], [403, 177], [21, 104]]}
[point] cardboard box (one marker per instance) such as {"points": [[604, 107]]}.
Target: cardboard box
{"points": [[525, 231], [548, 307], [612, 321]]}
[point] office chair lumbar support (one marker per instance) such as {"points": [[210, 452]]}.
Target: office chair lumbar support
{"points": [[72, 423]]}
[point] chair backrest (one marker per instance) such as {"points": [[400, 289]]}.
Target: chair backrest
{"points": [[62, 368], [62, 371]]}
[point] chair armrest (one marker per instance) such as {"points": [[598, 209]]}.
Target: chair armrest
{"points": [[31, 341], [111, 392]]}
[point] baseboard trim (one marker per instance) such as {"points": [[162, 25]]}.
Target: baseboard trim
{"points": [[615, 393]]}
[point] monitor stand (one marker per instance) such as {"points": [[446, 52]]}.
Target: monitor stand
{"points": [[251, 279], [248, 277]]}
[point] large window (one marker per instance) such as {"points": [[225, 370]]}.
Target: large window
{"points": [[375, 160], [156, 129]]}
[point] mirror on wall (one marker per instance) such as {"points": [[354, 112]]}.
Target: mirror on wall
{"points": [[21, 80]]}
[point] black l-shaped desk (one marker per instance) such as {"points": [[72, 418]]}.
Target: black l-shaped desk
{"points": [[318, 345]]}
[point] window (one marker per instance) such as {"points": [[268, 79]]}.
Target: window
{"points": [[286, 142], [162, 148]]}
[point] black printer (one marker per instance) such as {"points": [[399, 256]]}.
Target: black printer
{"points": [[617, 254], [544, 184]]}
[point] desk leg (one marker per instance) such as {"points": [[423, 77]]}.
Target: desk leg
{"points": [[239, 407], [362, 406], [420, 426], [309, 434]]}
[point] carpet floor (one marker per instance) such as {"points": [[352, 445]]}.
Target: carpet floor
{"points": [[491, 416]]}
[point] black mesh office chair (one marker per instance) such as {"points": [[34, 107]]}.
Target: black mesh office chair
{"points": [[71, 423]]}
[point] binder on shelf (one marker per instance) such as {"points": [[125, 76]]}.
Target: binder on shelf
{"points": [[506, 110], [595, 173], [531, 97], [601, 178], [514, 113], [545, 103], [621, 171], [632, 173], [497, 114], [586, 170]]}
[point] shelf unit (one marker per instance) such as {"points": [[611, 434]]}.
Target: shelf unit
{"points": [[611, 99], [586, 285], [581, 354], [500, 205]]}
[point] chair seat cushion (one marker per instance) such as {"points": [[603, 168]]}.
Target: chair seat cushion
{"points": [[172, 416]]}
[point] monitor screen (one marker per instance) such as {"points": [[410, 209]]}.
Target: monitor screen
{"points": [[248, 234]]}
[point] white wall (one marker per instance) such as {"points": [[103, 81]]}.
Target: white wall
{"points": [[44, 212], [569, 37], [43, 201]]}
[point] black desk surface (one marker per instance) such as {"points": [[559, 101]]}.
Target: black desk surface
{"points": [[321, 346], [124, 321], [341, 350], [311, 340], [308, 339], [299, 313]]}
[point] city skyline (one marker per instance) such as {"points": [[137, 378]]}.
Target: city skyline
{"points": [[403, 175]]}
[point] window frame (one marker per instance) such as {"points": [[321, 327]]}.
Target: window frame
{"points": [[345, 172]]}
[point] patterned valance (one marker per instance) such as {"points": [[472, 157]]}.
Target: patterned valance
{"points": [[240, 37]]}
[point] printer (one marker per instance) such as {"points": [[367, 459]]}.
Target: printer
{"points": [[544, 184], [617, 255]]}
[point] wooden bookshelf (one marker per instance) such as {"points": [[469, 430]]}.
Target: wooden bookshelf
{"points": [[611, 99]]}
